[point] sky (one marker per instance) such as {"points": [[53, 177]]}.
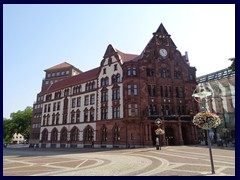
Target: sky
{"points": [[37, 37]]}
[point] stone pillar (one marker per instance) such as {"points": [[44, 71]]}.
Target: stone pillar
{"points": [[180, 139]]}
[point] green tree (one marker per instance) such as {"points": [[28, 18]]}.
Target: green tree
{"points": [[9, 129], [22, 120], [232, 67]]}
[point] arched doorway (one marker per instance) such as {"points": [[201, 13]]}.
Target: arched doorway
{"points": [[169, 134]]}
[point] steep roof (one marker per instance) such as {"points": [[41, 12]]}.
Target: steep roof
{"points": [[126, 57], [80, 78], [59, 66]]}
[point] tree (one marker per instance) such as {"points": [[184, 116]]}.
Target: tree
{"points": [[232, 67], [22, 121], [9, 129]]}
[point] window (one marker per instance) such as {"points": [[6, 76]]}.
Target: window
{"points": [[115, 67], [136, 109], [166, 91], [89, 134], [54, 106], [129, 71], [67, 72], [129, 90], [53, 119], [72, 117], [86, 101], [104, 113], [85, 115], [78, 101], [116, 94], [116, 133], [53, 74], [58, 73], [78, 116], [73, 102], [65, 119], [154, 90], [58, 105], [46, 82], [149, 90], [45, 108], [49, 107], [181, 92], [134, 71], [63, 72], [104, 96], [57, 119], [118, 77], [129, 110], [116, 112], [135, 90], [92, 115], [104, 71], [49, 75], [104, 133], [92, 99]]}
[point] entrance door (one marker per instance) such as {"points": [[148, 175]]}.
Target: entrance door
{"points": [[170, 140]]}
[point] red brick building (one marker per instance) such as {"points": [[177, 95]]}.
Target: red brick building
{"points": [[117, 103]]}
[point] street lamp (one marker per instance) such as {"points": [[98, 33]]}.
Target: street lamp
{"points": [[205, 120]]}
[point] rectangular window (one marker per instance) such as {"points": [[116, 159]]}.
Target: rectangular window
{"points": [[92, 99], [72, 117], [73, 102], [86, 102], [58, 106], [149, 90], [129, 71], [104, 96], [78, 117], [129, 110], [54, 106], [85, 116], [78, 101], [49, 107], [65, 119], [115, 67], [104, 71], [136, 109], [181, 93], [116, 112], [129, 90], [92, 115], [134, 71], [135, 90], [45, 108], [166, 91], [104, 113]]}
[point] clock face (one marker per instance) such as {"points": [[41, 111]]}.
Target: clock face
{"points": [[163, 52]]}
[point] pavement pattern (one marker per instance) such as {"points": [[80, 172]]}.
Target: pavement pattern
{"points": [[169, 161]]}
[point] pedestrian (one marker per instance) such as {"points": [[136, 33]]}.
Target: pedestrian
{"points": [[34, 147], [92, 143]]}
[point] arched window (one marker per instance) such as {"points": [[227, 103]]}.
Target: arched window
{"points": [[104, 133], [88, 133], [74, 134], [63, 136], [54, 135], [118, 77], [116, 133], [45, 135]]}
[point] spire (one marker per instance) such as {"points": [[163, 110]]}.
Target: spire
{"points": [[110, 51], [161, 30]]}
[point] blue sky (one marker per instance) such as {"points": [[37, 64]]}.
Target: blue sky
{"points": [[36, 37]]}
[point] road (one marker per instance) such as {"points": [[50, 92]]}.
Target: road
{"points": [[169, 161]]}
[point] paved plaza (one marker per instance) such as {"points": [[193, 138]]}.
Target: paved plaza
{"points": [[169, 161]]}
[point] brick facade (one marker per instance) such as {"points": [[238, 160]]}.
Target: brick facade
{"points": [[116, 104]]}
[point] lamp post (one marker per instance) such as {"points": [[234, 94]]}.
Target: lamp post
{"points": [[204, 119], [158, 132]]}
